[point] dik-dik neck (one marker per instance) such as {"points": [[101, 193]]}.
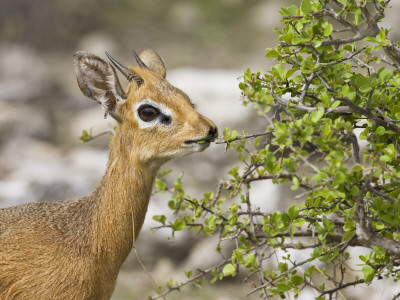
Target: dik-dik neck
{"points": [[123, 196]]}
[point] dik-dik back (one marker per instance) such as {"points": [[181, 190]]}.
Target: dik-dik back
{"points": [[74, 249]]}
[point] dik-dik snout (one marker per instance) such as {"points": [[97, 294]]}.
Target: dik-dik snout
{"points": [[155, 117], [165, 119]]}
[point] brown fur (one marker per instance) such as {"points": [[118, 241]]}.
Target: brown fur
{"points": [[74, 249]]}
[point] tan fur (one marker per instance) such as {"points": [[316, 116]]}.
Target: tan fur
{"points": [[74, 249]]}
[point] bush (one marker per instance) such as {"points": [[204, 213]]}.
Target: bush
{"points": [[335, 82]]}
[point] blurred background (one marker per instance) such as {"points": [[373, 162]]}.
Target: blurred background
{"points": [[206, 46]]}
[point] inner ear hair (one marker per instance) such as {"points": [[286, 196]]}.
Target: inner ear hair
{"points": [[98, 81]]}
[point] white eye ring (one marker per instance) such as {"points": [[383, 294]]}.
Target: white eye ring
{"points": [[162, 115]]}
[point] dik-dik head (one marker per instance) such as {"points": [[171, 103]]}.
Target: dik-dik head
{"points": [[155, 118]]}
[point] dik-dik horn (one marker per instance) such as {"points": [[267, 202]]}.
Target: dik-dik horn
{"points": [[74, 249]]}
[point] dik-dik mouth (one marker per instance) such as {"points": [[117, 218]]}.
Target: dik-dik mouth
{"points": [[198, 145], [198, 141], [205, 141]]}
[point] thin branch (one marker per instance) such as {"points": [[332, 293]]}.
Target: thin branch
{"points": [[357, 109], [305, 160], [279, 176], [87, 137], [342, 286], [365, 235], [254, 239], [191, 279], [377, 193], [350, 56], [220, 140], [287, 103]]}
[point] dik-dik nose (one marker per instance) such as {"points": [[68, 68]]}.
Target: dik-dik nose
{"points": [[212, 133]]}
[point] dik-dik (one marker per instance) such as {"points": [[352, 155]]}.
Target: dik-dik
{"points": [[74, 249]]}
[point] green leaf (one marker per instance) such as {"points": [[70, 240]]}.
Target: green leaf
{"points": [[233, 135], [161, 187], [299, 40], [369, 273], [309, 271], [339, 178], [355, 191], [272, 53], [316, 253], [280, 130], [305, 6], [384, 76], [160, 218], [296, 280], [364, 134], [357, 15], [282, 267], [293, 211], [347, 235], [384, 158], [295, 182], [229, 269], [188, 274], [299, 222], [283, 287], [380, 130], [239, 256], [328, 30], [390, 151], [381, 37], [371, 39], [251, 259], [292, 231], [316, 115], [335, 104], [170, 283], [269, 161], [349, 92], [280, 70], [171, 204], [362, 82], [86, 135], [179, 224]]}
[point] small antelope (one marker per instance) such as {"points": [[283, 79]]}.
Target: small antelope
{"points": [[74, 249]]}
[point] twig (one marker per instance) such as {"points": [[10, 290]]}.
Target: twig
{"points": [[309, 109], [220, 140], [365, 235], [342, 286], [278, 176], [89, 137], [191, 279], [376, 192], [305, 160]]}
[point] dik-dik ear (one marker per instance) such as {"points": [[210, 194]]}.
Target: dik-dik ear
{"points": [[149, 59], [98, 81]]}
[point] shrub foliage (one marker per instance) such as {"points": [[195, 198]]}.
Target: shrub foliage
{"points": [[331, 106]]}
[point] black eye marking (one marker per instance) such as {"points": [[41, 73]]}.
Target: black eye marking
{"points": [[166, 119], [148, 113]]}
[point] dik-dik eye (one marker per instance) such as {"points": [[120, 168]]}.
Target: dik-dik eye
{"points": [[148, 113]]}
